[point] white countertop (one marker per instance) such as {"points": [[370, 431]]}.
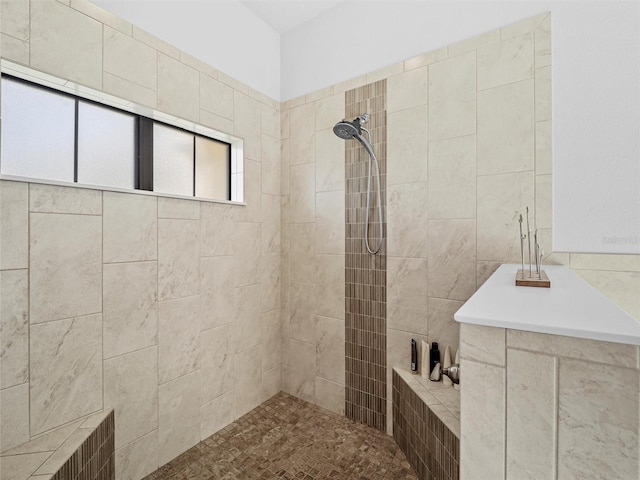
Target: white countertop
{"points": [[571, 307]]}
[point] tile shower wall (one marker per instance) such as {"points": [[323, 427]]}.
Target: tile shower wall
{"points": [[167, 310], [366, 274]]}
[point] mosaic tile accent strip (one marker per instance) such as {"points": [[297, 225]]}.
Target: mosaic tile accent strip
{"points": [[431, 448], [94, 459], [365, 274], [288, 438]]}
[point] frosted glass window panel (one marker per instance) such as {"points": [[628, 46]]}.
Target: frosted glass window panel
{"points": [[172, 160], [106, 147], [212, 169], [38, 132]]}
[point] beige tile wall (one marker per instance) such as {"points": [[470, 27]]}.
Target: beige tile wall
{"points": [[166, 310]]}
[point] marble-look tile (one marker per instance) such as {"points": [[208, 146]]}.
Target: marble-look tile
{"points": [[270, 165], [129, 302], [271, 383], [247, 123], [407, 146], [249, 327], [137, 459], [58, 348], [218, 302], [246, 253], [285, 222], [543, 93], [131, 389], [284, 123], [598, 414], [216, 97], [330, 360], [329, 162], [54, 199], [271, 224], [318, 94], [183, 102], [302, 309], [330, 289], [272, 341], [216, 122], [14, 328], [129, 59], [329, 110], [426, 59], [129, 90], [14, 416], [302, 137], [482, 421], [399, 352], [544, 195], [66, 266], [285, 170], [216, 229], [482, 344], [178, 338], [94, 11], [448, 418], [302, 367], [66, 43], [452, 259], [14, 235], [620, 287], [178, 208], [47, 442], [350, 84], [252, 211], [178, 258], [407, 220], [501, 199], [407, 294], [248, 386], [614, 354], [442, 328], [407, 90], [385, 72], [216, 414], [20, 467], [130, 227], [451, 186], [178, 416], [270, 121], [303, 252], [270, 282], [521, 27], [330, 395], [216, 367], [473, 43], [543, 43], [14, 20], [531, 416], [452, 97], [13, 49], [543, 147], [484, 270], [506, 129], [449, 398], [330, 223], [505, 62], [594, 261], [155, 42], [303, 197]]}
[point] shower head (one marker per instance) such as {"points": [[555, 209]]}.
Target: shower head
{"points": [[346, 130]]}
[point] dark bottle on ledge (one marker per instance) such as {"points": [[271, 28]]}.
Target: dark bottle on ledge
{"points": [[414, 356], [434, 356]]}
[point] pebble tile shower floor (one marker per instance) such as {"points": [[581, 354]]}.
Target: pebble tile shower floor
{"points": [[288, 438]]}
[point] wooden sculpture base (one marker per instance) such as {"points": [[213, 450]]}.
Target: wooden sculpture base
{"points": [[533, 281]]}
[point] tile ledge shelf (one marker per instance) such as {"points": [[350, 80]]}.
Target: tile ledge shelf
{"points": [[571, 307], [427, 390], [60, 445]]}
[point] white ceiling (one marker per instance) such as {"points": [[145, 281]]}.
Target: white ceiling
{"points": [[283, 15]]}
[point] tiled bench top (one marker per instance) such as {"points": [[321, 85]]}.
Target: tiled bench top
{"points": [[443, 400], [43, 456]]}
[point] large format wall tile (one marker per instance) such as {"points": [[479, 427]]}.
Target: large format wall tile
{"points": [[270, 165], [442, 327], [178, 208], [246, 253], [54, 199], [14, 328], [138, 459], [184, 101], [75, 54], [302, 367], [270, 281], [252, 191], [130, 227], [303, 249], [482, 408], [302, 138], [129, 59], [330, 291], [216, 414], [249, 326], [14, 234], [330, 395], [407, 294], [216, 363], [303, 197], [531, 416], [407, 146], [452, 178], [505, 62], [302, 309], [452, 259], [407, 220], [178, 416], [178, 338], [66, 266], [247, 124], [598, 411], [329, 111], [506, 129], [178, 258], [482, 344], [330, 349], [14, 20], [216, 97], [14, 417], [65, 371], [218, 302], [131, 389], [407, 90], [329, 160], [271, 224], [330, 229], [130, 318], [452, 97], [216, 229], [272, 341], [248, 384]]}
